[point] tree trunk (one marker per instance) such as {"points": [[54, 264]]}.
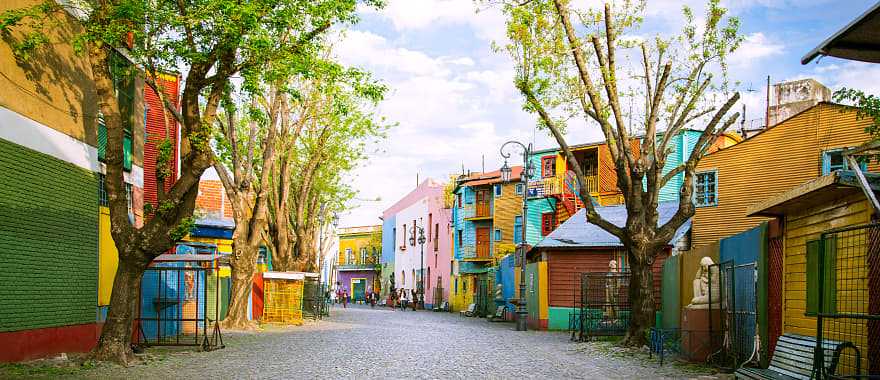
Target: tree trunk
{"points": [[641, 296], [243, 263], [115, 341]]}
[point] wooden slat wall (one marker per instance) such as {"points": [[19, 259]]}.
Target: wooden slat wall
{"points": [[505, 209], [774, 161]]}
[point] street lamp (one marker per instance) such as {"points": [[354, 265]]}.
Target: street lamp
{"points": [[422, 264], [521, 312]]}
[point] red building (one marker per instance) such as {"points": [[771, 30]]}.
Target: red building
{"points": [[159, 128]]}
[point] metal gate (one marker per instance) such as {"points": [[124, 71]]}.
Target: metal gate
{"points": [[843, 290], [605, 306], [482, 301], [314, 304], [733, 317]]}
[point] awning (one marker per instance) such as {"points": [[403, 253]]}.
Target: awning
{"points": [[820, 190], [858, 41]]}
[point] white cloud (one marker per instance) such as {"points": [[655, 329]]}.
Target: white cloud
{"points": [[487, 22], [367, 49], [755, 48]]}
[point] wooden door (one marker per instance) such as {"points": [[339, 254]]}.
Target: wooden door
{"points": [[483, 198], [483, 242]]}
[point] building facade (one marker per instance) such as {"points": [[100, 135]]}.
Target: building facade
{"points": [[803, 147], [417, 266], [59, 259], [357, 261]]}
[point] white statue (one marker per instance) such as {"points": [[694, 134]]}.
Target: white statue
{"points": [[701, 286], [612, 288]]}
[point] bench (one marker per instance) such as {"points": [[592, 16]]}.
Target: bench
{"points": [[442, 307], [793, 358], [499, 314], [469, 312]]}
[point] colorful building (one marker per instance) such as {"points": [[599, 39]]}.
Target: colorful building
{"points": [[803, 147], [422, 208], [58, 258], [487, 225], [576, 247], [357, 262]]}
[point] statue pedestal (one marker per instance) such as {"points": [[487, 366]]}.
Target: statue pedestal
{"points": [[696, 340]]}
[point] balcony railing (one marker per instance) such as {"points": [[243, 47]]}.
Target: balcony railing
{"points": [[555, 186], [477, 210], [344, 267]]}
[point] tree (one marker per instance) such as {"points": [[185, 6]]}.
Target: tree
{"points": [[210, 41], [567, 65]]}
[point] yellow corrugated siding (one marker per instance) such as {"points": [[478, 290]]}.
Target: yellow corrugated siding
{"points": [[805, 225], [506, 207], [777, 160]]}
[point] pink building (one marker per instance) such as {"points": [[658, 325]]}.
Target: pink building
{"points": [[403, 260]]}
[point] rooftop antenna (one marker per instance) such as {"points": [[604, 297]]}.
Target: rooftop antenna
{"points": [[484, 163], [742, 123], [417, 179], [767, 111]]}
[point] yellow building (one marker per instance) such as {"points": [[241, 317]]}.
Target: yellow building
{"points": [[357, 261]]}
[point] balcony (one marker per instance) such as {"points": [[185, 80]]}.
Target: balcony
{"points": [[555, 186], [477, 211], [476, 253], [357, 267]]}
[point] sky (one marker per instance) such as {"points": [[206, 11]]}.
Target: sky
{"points": [[454, 103]]}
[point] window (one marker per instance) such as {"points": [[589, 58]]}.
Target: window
{"points": [[519, 189], [548, 166], [102, 192], [829, 276], [348, 256], [456, 285], [403, 244], [706, 189], [459, 200], [436, 237], [832, 160], [363, 256], [548, 223], [430, 222], [460, 238], [517, 229], [497, 234], [497, 190]]}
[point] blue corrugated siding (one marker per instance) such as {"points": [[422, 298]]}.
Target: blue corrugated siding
{"points": [[388, 239], [537, 207], [681, 145]]}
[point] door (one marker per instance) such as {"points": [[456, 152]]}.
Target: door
{"points": [[483, 242], [483, 198], [358, 288]]}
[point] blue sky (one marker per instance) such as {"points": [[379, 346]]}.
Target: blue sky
{"points": [[454, 102]]}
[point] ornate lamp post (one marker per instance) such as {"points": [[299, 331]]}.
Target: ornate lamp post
{"points": [[421, 286], [521, 312]]}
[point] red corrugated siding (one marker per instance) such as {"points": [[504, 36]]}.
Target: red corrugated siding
{"points": [[563, 268], [156, 132]]}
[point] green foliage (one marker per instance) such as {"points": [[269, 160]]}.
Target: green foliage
{"points": [[867, 107], [182, 229]]}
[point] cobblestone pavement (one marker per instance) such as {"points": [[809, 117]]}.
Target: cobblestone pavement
{"points": [[360, 342]]}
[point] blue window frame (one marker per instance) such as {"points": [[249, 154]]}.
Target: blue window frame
{"points": [[517, 229], [519, 189], [706, 189], [832, 160], [497, 191], [497, 234]]}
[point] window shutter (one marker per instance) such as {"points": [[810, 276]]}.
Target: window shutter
{"points": [[102, 139], [126, 152], [829, 268]]}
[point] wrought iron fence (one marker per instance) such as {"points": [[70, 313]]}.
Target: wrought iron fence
{"points": [[733, 314], [174, 309], [604, 305], [843, 290]]}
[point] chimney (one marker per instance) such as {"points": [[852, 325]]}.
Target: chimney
{"points": [[791, 98]]}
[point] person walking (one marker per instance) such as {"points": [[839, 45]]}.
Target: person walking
{"points": [[345, 299], [372, 296], [415, 300], [404, 299]]}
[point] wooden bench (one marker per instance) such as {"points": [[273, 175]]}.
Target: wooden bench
{"points": [[793, 358], [469, 312]]}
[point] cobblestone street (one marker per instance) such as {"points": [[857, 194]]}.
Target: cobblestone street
{"points": [[361, 342]]}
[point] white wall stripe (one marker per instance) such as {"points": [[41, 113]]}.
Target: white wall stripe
{"points": [[31, 134]]}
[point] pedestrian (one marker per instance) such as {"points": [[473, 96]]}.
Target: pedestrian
{"points": [[345, 299], [415, 300], [373, 297], [404, 299]]}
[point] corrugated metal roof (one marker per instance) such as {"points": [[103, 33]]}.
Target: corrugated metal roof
{"points": [[577, 233]]}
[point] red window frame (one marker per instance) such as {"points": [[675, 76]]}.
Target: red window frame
{"points": [[548, 166], [548, 223]]}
